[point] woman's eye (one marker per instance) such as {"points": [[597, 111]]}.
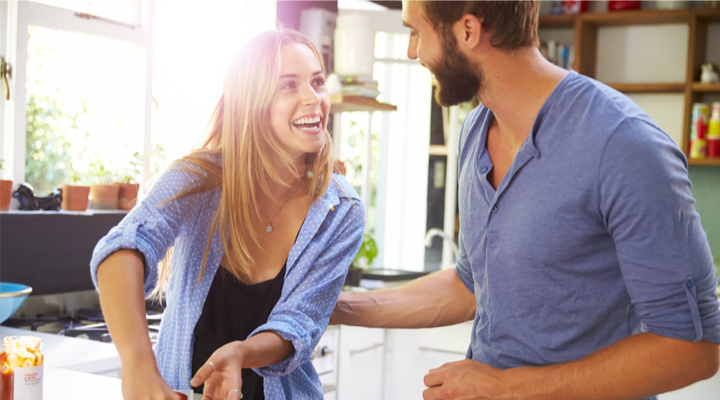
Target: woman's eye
{"points": [[288, 85], [413, 32], [320, 81]]}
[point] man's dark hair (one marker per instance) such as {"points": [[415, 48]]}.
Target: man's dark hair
{"points": [[511, 24]]}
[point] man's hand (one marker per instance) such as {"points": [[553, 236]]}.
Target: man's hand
{"points": [[464, 380]]}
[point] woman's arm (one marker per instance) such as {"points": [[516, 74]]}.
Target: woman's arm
{"points": [[120, 283], [439, 299]]}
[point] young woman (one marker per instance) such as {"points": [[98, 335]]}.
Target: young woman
{"points": [[262, 233]]}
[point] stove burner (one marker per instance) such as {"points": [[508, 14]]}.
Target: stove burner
{"points": [[85, 323]]}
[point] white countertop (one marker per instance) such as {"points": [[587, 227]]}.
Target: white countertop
{"points": [[64, 356]]}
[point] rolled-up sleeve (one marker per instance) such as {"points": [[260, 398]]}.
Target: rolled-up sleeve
{"points": [[662, 249], [463, 267], [150, 227], [313, 286]]}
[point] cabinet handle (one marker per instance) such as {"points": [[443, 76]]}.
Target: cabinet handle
{"points": [[462, 353], [321, 352], [375, 346]]}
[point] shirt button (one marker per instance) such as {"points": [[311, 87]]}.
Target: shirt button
{"points": [[483, 169], [494, 210], [689, 284]]}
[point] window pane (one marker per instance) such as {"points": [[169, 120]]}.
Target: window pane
{"points": [[190, 64], [391, 45], [84, 104], [122, 11]]}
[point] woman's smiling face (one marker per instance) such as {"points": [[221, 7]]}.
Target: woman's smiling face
{"points": [[300, 107]]}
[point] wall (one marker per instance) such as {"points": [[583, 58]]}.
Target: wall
{"points": [[706, 189]]}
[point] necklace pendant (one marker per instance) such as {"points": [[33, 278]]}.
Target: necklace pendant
{"points": [[269, 229]]}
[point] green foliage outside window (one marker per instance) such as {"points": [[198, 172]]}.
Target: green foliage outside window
{"points": [[48, 157]]}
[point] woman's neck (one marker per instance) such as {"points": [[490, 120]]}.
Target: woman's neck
{"points": [[290, 176]]}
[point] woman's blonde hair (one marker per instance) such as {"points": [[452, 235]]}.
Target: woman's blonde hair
{"points": [[236, 151]]}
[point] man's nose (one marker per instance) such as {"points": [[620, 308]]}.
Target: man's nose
{"points": [[412, 48]]}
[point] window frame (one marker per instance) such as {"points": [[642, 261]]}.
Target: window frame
{"points": [[19, 15]]}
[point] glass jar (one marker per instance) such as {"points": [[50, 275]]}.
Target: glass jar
{"points": [[21, 368], [354, 45]]}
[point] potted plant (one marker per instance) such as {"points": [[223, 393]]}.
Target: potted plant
{"points": [[74, 197], [364, 257], [5, 191], [127, 183], [103, 194]]}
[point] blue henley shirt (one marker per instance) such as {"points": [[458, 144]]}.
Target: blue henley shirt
{"points": [[591, 236]]}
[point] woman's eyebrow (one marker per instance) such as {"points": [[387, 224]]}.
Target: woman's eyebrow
{"points": [[297, 76]]}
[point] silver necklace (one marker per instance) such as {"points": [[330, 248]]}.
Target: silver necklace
{"points": [[269, 227]]}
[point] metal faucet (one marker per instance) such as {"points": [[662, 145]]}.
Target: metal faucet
{"points": [[437, 232]]}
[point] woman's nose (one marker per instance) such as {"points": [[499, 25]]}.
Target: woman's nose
{"points": [[309, 95]]}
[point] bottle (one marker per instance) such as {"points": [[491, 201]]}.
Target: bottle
{"points": [[698, 131], [713, 132], [21, 368]]}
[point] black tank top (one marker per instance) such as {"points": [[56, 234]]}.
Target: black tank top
{"points": [[231, 312]]}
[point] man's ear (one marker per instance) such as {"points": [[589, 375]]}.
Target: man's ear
{"points": [[468, 31]]}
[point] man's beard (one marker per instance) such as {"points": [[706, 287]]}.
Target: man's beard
{"points": [[458, 79]]}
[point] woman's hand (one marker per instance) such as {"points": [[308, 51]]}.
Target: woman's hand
{"points": [[143, 382], [222, 373]]}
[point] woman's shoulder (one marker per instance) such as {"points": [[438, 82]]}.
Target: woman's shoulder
{"points": [[341, 188]]}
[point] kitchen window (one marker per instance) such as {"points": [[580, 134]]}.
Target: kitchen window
{"points": [[115, 82]]}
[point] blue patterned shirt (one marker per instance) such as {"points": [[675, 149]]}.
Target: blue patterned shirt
{"points": [[316, 267]]}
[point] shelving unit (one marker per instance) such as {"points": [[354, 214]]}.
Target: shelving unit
{"points": [[340, 103], [586, 33]]}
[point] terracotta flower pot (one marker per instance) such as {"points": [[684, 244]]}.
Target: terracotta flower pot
{"points": [[127, 196], [104, 197], [74, 198], [5, 194]]}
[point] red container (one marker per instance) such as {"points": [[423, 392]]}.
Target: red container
{"points": [[624, 5], [713, 147], [575, 7]]}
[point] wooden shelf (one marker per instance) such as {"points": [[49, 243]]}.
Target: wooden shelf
{"points": [[708, 14], [586, 28], [706, 87], [638, 17], [632, 17], [557, 21], [712, 162], [340, 103], [648, 87]]}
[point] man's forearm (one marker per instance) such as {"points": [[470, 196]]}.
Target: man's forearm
{"points": [[636, 367], [435, 300]]}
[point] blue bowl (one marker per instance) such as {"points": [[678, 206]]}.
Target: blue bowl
{"points": [[12, 295]]}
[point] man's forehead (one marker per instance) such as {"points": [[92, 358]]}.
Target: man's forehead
{"points": [[410, 14]]}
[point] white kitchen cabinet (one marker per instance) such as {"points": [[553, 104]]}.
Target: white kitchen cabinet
{"points": [[360, 370], [411, 353]]}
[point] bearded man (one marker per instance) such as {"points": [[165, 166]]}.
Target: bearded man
{"points": [[582, 259]]}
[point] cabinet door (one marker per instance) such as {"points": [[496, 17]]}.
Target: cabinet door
{"points": [[360, 373], [412, 353]]}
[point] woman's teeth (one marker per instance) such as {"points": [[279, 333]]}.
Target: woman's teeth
{"points": [[307, 124]]}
